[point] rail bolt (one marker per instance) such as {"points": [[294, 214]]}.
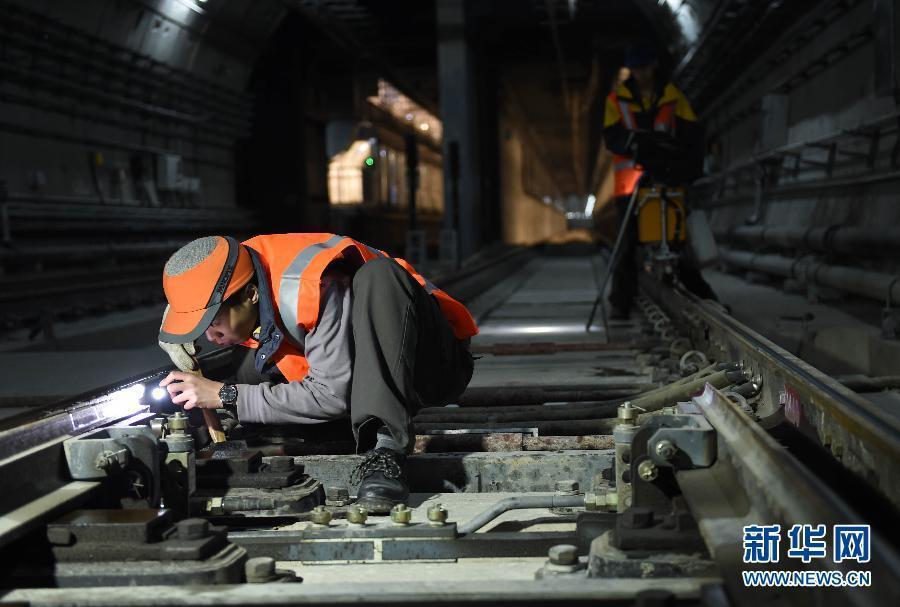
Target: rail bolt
{"points": [[176, 422], [357, 515], [626, 413], [108, 461], [320, 516], [604, 500], [260, 569], [281, 463], [647, 470], [563, 554], [437, 514], [666, 449], [401, 514]]}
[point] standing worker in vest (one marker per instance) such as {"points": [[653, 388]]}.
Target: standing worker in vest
{"points": [[332, 327], [654, 135]]}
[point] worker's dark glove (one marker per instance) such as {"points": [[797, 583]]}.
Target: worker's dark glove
{"points": [[183, 355]]}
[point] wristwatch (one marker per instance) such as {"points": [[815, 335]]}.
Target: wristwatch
{"points": [[228, 395]]}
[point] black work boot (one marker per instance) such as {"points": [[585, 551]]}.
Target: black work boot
{"points": [[382, 480]]}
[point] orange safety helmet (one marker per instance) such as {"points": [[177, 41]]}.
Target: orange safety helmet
{"points": [[197, 279]]}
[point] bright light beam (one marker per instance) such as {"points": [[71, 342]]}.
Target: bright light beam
{"points": [[124, 402]]}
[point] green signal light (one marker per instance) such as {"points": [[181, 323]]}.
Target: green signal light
{"points": [[370, 161]]}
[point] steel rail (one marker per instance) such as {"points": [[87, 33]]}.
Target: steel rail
{"points": [[756, 482], [864, 438]]}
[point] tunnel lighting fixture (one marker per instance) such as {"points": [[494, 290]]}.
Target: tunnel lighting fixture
{"points": [[158, 393], [589, 207], [391, 100]]}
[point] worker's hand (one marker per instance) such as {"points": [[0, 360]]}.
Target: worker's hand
{"points": [[182, 355], [189, 390]]}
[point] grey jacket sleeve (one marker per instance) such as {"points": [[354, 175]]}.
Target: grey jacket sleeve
{"points": [[324, 393]]}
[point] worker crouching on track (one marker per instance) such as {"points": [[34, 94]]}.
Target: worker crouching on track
{"points": [[333, 327]]}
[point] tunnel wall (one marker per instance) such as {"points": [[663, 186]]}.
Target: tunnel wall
{"points": [[100, 96], [790, 138], [527, 219]]}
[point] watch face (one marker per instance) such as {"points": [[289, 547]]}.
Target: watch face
{"points": [[228, 394]]}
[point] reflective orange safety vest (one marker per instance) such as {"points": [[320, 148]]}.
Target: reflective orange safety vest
{"points": [[627, 171], [295, 263]]}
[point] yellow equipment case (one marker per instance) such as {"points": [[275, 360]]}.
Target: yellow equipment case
{"points": [[650, 216]]}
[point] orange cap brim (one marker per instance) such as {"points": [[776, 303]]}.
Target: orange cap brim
{"points": [[184, 327]]}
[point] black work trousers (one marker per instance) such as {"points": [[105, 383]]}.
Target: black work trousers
{"points": [[406, 355], [626, 266]]}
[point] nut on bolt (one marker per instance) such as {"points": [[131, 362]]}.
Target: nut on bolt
{"points": [[401, 514], [626, 413], [281, 463], [260, 569], [563, 554], [320, 516], [108, 461], [437, 514], [357, 515], [603, 500], [666, 449], [176, 422], [647, 470]]}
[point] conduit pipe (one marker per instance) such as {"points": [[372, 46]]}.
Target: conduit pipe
{"points": [[879, 286], [853, 240], [519, 503]]}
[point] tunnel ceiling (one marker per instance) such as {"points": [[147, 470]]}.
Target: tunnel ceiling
{"points": [[732, 37], [515, 42], [554, 55], [398, 39]]}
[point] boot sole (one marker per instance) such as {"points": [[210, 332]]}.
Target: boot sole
{"points": [[377, 505]]}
